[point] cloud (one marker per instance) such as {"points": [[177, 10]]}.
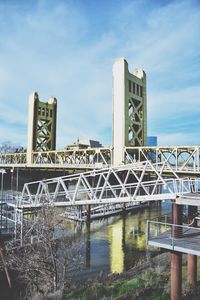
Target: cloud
{"points": [[67, 48]]}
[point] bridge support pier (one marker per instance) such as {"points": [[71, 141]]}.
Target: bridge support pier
{"points": [[88, 246], [176, 257], [176, 275], [192, 270], [192, 259], [88, 213]]}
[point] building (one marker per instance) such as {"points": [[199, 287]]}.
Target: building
{"points": [[129, 109], [41, 125], [152, 141], [83, 144]]}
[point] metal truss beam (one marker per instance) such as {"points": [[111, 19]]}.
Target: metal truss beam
{"points": [[182, 159], [77, 159], [109, 187], [123, 184]]}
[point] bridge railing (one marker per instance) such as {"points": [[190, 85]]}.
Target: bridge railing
{"points": [[12, 158], [85, 157], [169, 236], [181, 158], [90, 156], [185, 159]]}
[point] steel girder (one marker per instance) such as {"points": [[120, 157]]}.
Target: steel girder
{"points": [[128, 183], [183, 159]]}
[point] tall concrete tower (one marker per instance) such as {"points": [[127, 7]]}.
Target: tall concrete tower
{"points": [[41, 125], [129, 109]]}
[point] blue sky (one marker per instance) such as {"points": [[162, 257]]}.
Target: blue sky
{"points": [[67, 48]]}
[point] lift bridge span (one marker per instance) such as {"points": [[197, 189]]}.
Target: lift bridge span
{"points": [[183, 159]]}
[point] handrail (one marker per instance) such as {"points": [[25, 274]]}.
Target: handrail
{"points": [[175, 225]]}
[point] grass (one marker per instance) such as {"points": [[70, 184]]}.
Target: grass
{"points": [[147, 287]]}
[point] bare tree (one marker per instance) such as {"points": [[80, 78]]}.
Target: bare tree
{"points": [[43, 261], [9, 147]]}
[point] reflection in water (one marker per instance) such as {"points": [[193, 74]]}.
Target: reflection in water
{"points": [[117, 243], [115, 235], [87, 246]]}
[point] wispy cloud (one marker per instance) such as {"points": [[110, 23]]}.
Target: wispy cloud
{"points": [[67, 48]]}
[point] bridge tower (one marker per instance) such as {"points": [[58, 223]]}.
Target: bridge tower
{"points": [[129, 109], [41, 125]]}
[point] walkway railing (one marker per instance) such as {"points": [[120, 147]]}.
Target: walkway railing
{"points": [[173, 237], [123, 184]]}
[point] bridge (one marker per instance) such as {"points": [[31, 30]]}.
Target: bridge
{"points": [[184, 160], [129, 135], [104, 190], [111, 185], [110, 179]]}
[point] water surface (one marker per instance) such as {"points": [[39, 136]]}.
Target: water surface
{"points": [[116, 244]]}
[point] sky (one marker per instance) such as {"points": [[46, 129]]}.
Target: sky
{"points": [[67, 49]]}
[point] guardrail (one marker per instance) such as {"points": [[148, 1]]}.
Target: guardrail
{"points": [[171, 235]]}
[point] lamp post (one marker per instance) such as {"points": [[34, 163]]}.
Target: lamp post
{"points": [[17, 180], [2, 171], [11, 184]]}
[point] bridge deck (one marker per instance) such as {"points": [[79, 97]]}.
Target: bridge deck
{"points": [[189, 243]]}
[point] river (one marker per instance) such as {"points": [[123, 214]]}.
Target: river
{"points": [[117, 243]]}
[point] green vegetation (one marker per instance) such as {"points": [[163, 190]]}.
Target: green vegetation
{"points": [[150, 286]]}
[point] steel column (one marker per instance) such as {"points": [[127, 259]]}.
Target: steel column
{"points": [[176, 275], [192, 259], [177, 216], [88, 212], [176, 257], [192, 270]]}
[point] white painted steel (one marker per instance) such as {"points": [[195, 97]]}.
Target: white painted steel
{"points": [[110, 186], [122, 184]]}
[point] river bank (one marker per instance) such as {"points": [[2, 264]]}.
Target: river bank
{"points": [[148, 280]]}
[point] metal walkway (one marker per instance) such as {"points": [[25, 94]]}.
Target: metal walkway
{"points": [[164, 235], [109, 189], [124, 184]]}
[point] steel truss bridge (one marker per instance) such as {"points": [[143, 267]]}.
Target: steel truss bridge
{"points": [[100, 190], [183, 159]]}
